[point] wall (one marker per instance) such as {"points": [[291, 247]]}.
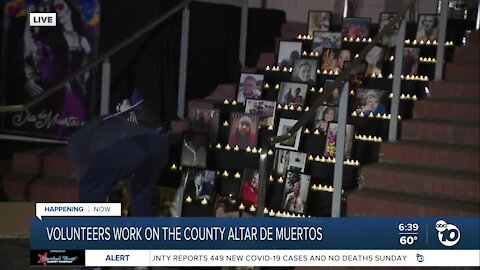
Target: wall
{"points": [[297, 10]]}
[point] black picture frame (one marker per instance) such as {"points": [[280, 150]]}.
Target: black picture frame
{"points": [[205, 121], [427, 27], [305, 71], [252, 82], [243, 129], [200, 184], [194, 149], [292, 93], [331, 136], [264, 108], [295, 193], [356, 27], [287, 52], [289, 160], [326, 39], [318, 20]]}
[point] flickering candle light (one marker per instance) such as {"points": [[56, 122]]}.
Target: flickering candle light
{"points": [[188, 199], [317, 158], [390, 76], [204, 201], [310, 157], [227, 147], [254, 150], [270, 178], [267, 68], [236, 148], [277, 86], [307, 109], [226, 102], [174, 167], [248, 149], [267, 85], [270, 152], [218, 146], [316, 132], [237, 175], [265, 211], [252, 208], [225, 173], [285, 107], [280, 180], [241, 207], [271, 213], [225, 124], [306, 131], [234, 102]]}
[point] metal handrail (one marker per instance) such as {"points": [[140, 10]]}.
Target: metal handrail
{"points": [[95, 62], [339, 81]]}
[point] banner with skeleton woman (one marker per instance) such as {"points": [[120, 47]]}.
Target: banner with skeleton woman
{"points": [[37, 57]]}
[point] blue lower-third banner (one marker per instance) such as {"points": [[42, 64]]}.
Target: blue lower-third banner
{"points": [[111, 241]]}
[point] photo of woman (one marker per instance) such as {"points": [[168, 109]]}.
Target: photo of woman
{"points": [[368, 101], [325, 115]]}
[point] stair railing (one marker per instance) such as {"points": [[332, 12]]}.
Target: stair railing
{"points": [[339, 83]]}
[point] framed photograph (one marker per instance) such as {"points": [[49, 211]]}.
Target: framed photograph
{"points": [[265, 110], [385, 18], [288, 51], [284, 127], [205, 121], [357, 74], [249, 190], [330, 149], [194, 149], [292, 93], [323, 116], [225, 207], [295, 192], [371, 101], [305, 71], [287, 160], [200, 184], [243, 129], [427, 27], [356, 27], [318, 21], [334, 98], [334, 59], [375, 59], [250, 87], [328, 40], [411, 57]]}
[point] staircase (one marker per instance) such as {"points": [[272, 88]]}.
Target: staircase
{"points": [[434, 169]]}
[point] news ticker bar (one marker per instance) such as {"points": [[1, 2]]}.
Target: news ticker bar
{"points": [[177, 258]]}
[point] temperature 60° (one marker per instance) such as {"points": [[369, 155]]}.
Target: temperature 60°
{"points": [[408, 239]]}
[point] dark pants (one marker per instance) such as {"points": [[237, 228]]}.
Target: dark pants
{"points": [[145, 156]]}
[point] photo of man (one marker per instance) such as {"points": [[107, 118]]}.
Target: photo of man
{"points": [[244, 130], [305, 71], [410, 61], [205, 121], [287, 160], [250, 87], [200, 184]]}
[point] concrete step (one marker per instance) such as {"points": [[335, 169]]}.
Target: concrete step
{"points": [[444, 109], [293, 29], [380, 203], [431, 155], [421, 181], [473, 38], [449, 132], [454, 90], [467, 55], [266, 59], [53, 189], [462, 72]]}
